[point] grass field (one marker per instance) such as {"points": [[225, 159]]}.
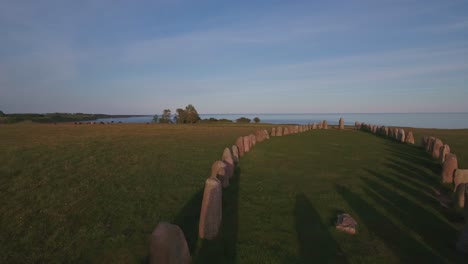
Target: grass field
{"points": [[94, 194]]}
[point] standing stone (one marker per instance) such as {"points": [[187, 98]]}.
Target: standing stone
{"points": [[436, 148], [218, 170], [273, 132], [459, 177], [449, 167], [341, 123], [235, 153], [357, 125], [279, 131], [229, 162], [211, 210], [424, 141], [401, 136], [314, 126], [462, 243], [444, 150], [266, 134], [246, 143], [240, 146], [460, 196], [259, 136], [168, 245], [325, 124], [253, 141], [386, 131], [286, 131], [430, 142], [410, 138]]}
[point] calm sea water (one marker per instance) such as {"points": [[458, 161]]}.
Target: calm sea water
{"points": [[420, 120]]}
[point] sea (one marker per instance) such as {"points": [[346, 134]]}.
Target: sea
{"points": [[417, 120]]}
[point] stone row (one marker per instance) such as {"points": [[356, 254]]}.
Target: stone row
{"points": [[398, 134]]}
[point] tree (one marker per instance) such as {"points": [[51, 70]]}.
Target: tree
{"points": [[192, 114], [181, 116], [166, 116], [257, 120], [2, 114], [155, 118], [243, 120]]}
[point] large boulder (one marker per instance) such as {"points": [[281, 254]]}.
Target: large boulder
{"points": [[211, 210], [273, 132], [409, 138], [314, 125], [253, 141], [247, 143], [229, 162], [459, 177], [286, 131], [324, 124], [240, 145], [444, 150], [341, 123], [218, 170], [168, 245], [235, 153], [259, 136], [430, 142], [266, 134], [401, 135], [436, 148], [279, 131], [346, 223], [449, 167]]}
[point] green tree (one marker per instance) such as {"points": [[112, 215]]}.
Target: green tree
{"points": [[243, 120], [192, 114], [166, 116], [181, 115], [257, 120]]}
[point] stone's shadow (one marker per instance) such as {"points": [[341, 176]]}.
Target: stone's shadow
{"points": [[223, 249], [316, 244], [404, 246]]}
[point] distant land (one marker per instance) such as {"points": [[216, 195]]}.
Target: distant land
{"points": [[56, 117]]}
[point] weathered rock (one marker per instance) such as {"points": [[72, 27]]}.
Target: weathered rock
{"points": [[253, 141], [279, 131], [386, 131], [266, 134], [424, 141], [314, 126], [346, 223], [430, 142], [273, 132], [286, 131], [240, 146], [410, 138], [218, 170], [235, 153], [462, 243], [449, 167], [259, 136], [401, 135], [460, 194], [341, 123], [229, 162], [211, 210], [436, 148], [459, 177], [247, 143], [324, 124], [444, 150], [168, 245]]}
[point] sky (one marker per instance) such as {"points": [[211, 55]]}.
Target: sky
{"points": [[140, 57]]}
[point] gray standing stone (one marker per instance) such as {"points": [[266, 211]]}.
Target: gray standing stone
{"points": [[430, 142], [444, 150], [273, 132], [279, 131], [314, 126], [436, 148], [459, 177], [449, 167], [410, 138], [246, 140], [168, 245], [229, 162], [218, 170], [324, 124], [266, 134], [341, 123], [253, 141], [240, 145], [402, 136], [235, 153], [211, 210], [286, 131]]}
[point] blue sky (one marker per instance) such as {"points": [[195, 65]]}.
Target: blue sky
{"points": [[139, 57]]}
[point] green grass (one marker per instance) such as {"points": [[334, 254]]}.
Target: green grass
{"points": [[94, 194]]}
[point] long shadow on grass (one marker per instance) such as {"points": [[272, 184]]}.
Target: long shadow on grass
{"points": [[436, 233], [316, 245], [223, 249], [404, 246]]}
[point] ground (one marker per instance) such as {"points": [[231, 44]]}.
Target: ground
{"points": [[94, 193]]}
